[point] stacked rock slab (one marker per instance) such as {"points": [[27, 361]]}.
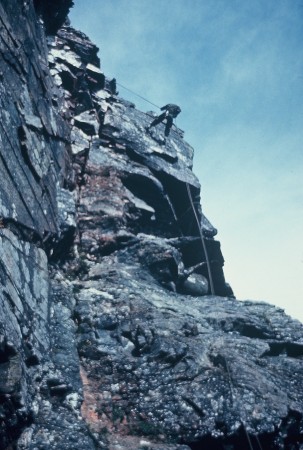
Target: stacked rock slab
{"points": [[109, 337]]}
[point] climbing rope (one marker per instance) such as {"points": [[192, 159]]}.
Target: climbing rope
{"points": [[138, 95], [230, 382], [172, 210], [198, 265], [151, 103], [258, 441], [208, 270], [248, 437], [212, 290]]}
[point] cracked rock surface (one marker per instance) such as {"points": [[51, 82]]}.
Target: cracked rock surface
{"points": [[113, 336]]}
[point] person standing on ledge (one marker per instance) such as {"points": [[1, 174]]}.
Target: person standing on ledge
{"points": [[170, 112]]}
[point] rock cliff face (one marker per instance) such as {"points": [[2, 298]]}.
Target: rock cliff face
{"points": [[113, 334]]}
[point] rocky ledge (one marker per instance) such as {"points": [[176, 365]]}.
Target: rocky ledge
{"points": [[115, 333]]}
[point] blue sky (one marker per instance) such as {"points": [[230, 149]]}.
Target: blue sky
{"points": [[236, 69]]}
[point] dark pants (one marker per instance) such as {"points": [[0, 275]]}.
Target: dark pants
{"points": [[169, 122]]}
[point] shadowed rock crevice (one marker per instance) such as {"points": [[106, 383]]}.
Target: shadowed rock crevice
{"points": [[53, 12], [290, 349], [109, 337], [242, 439]]}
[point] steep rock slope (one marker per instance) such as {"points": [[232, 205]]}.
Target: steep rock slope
{"points": [[110, 337]]}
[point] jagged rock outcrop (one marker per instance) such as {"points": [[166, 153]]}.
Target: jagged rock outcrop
{"points": [[110, 334]]}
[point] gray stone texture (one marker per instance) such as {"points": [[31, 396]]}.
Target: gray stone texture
{"points": [[110, 335]]}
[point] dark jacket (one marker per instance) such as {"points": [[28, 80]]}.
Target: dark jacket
{"points": [[173, 110]]}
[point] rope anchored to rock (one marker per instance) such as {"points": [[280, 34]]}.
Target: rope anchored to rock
{"points": [[212, 289]]}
